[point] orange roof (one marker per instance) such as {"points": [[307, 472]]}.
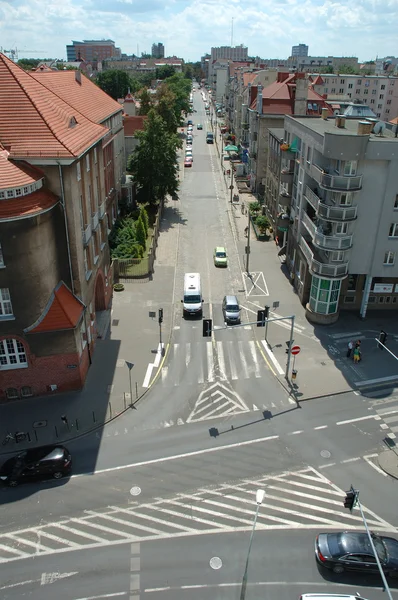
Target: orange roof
{"points": [[27, 206], [249, 78], [318, 80], [85, 97], [16, 174], [63, 311], [133, 124], [394, 121], [36, 122]]}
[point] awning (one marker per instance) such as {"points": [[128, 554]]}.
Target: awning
{"points": [[294, 145]]}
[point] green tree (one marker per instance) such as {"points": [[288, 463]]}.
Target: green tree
{"points": [[153, 163], [181, 88], [145, 99], [140, 232], [28, 63], [114, 82], [144, 218], [164, 71], [347, 70], [165, 107], [262, 223]]}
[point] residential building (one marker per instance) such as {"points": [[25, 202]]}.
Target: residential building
{"points": [[386, 66], [92, 51], [225, 54], [342, 246], [317, 64], [300, 50], [380, 93], [278, 188], [61, 172], [158, 50]]}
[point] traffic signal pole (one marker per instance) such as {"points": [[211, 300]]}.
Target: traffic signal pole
{"points": [[290, 348]]}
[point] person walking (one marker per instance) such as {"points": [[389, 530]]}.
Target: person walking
{"points": [[349, 349], [357, 355]]}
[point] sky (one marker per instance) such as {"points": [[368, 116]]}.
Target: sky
{"points": [[189, 28]]}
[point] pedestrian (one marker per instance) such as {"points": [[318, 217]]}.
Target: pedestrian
{"points": [[357, 355], [349, 349]]}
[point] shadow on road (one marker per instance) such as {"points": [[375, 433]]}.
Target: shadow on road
{"points": [[267, 416]]}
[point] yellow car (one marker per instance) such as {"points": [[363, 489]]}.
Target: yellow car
{"points": [[220, 257]]}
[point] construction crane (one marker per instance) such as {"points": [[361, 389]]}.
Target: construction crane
{"points": [[13, 53]]}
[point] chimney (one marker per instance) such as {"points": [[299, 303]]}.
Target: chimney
{"points": [[372, 120], [325, 112], [259, 106], [78, 77], [340, 121], [301, 95], [364, 128]]}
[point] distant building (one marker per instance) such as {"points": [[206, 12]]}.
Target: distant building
{"points": [[92, 50], [300, 50], [158, 50], [225, 53]]}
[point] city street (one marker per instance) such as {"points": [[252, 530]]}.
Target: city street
{"points": [[162, 499]]}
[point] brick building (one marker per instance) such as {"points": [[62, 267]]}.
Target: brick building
{"points": [[61, 169]]}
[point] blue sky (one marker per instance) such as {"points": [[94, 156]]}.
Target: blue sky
{"points": [[189, 28]]}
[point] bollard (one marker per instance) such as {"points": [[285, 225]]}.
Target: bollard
{"points": [[294, 374]]}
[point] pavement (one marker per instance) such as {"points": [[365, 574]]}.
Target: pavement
{"points": [[131, 335]]}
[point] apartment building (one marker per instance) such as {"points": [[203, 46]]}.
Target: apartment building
{"points": [[278, 189], [342, 246], [299, 50], [379, 92], [92, 50], [61, 171], [158, 50], [224, 55]]}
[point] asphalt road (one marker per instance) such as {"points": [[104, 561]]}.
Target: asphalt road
{"points": [[152, 493]]}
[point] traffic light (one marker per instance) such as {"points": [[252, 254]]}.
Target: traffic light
{"points": [[160, 315], [350, 499], [261, 318], [382, 338], [207, 327], [288, 346]]}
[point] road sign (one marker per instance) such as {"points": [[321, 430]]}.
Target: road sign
{"points": [[295, 350]]}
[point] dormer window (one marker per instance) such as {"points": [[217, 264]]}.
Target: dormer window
{"points": [[18, 192], [10, 194], [72, 122]]}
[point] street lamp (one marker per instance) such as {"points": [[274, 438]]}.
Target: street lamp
{"points": [[259, 500]]}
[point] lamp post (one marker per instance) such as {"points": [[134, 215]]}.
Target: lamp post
{"points": [[259, 500]]}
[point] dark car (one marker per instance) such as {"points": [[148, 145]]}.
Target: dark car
{"points": [[351, 551], [37, 463]]}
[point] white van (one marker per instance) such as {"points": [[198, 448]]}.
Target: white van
{"points": [[192, 301]]}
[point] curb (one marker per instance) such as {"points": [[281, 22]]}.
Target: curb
{"points": [[388, 462]]}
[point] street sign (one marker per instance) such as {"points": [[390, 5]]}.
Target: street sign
{"points": [[129, 365], [295, 350]]}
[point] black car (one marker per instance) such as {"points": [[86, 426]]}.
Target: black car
{"points": [[38, 463], [351, 551]]}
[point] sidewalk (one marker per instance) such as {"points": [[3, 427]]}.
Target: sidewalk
{"points": [[128, 333]]}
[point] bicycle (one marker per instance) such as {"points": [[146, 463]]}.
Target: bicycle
{"points": [[8, 438]]}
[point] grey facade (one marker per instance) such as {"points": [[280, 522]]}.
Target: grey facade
{"points": [[343, 243], [300, 50], [158, 50]]}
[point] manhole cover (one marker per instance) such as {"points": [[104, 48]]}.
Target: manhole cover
{"points": [[216, 562], [325, 454], [135, 490]]}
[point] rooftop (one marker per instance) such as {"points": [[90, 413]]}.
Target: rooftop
{"points": [[322, 126]]}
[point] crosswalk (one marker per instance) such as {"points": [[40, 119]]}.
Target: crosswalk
{"points": [[387, 412], [207, 362], [304, 499]]}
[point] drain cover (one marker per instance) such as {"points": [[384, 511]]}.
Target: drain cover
{"points": [[215, 563], [135, 490], [325, 454]]}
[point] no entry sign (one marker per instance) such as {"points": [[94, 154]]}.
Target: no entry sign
{"points": [[295, 350]]}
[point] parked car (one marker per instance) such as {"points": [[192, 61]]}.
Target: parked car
{"points": [[189, 122], [220, 257], [188, 154], [188, 147], [188, 161], [37, 463], [189, 139], [231, 310], [190, 129], [351, 551]]}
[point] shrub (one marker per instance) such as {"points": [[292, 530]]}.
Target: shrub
{"points": [[140, 234], [145, 219], [262, 223], [254, 207]]}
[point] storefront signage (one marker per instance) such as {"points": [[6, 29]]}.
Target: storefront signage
{"points": [[383, 288]]}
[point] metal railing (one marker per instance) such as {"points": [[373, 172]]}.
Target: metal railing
{"points": [[338, 213], [336, 182], [325, 269], [332, 242], [94, 221], [101, 210], [87, 234]]}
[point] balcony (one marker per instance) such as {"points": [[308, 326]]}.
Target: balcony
{"points": [[94, 221], [330, 213], [339, 183], [285, 199], [326, 242], [101, 210], [87, 234], [319, 268], [287, 175]]}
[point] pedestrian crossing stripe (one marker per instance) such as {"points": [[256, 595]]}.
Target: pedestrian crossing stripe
{"points": [[303, 499], [217, 401]]}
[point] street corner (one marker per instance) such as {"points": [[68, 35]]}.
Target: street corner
{"points": [[388, 461]]}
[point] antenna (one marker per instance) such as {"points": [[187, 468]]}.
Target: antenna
{"points": [[232, 32]]}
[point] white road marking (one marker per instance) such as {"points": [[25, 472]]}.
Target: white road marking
{"points": [[234, 372], [356, 420], [376, 381], [221, 361], [327, 465], [383, 426], [354, 335], [296, 432], [321, 427], [246, 373], [238, 584], [372, 464], [148, 375], [164, 373], [272, 357], [254, 356], [210, 361], [187, 354], [349, 460]]}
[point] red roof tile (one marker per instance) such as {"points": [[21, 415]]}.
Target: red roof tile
{"points": [[133, 124], [16, 174], [36, 122], [27, 206], [63, 311]]}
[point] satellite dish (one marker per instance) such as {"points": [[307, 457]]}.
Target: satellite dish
{"points": [[379, 128]]}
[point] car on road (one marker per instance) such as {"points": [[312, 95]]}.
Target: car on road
{"points": [[220, 257], [188, 161], [231, 310], [188, 154], [199, 126], [37, 463], [209, 138], [351, 551]]}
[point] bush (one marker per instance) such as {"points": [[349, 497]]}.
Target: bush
{"points": [[254, 207], [145, 219], [262, 223]]}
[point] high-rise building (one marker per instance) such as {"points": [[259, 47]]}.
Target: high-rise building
{"points": [[300, 50], [92, 50], [158, 50], [234, 53]]}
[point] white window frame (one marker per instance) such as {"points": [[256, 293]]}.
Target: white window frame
{"points": [[337, 256], [2, 265], [350, 167], [389, 258], [5, 303], [393, 231], [95, 156], [87, 163], [83, 335], [345, 199], [78, 171], [341, 228], [12, 349]]}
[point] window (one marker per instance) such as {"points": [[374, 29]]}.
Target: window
{"points": [[324, 295], [345, 199], [87, 263], [350, 86], [2, 195], [337, 256], [390, 92], [341, 228], [359, 81], [382, 87], [350, 167], [372, 101], [381, 96], [373, 92], [1, 258], [26, 391], [333, 91], [389, 258], [18, 192], [10, 193], [349, 299], [393, 230], [396, 202], [87, 163], [325, 91], [12, 354], [341, 91], [342, 81], [83, 335], [5, 302], [388, 101], [379, 106], [357, 91], [78, 172], [366, 91], [12, 393], [352, 283]]}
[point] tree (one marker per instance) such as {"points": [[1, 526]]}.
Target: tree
{"points": [[114, 82], [144, 217], [181, 88], [164, 71], [347, 70], [140, 232], [145, 99], [153, 163], [165, 107], [28, 63]]}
